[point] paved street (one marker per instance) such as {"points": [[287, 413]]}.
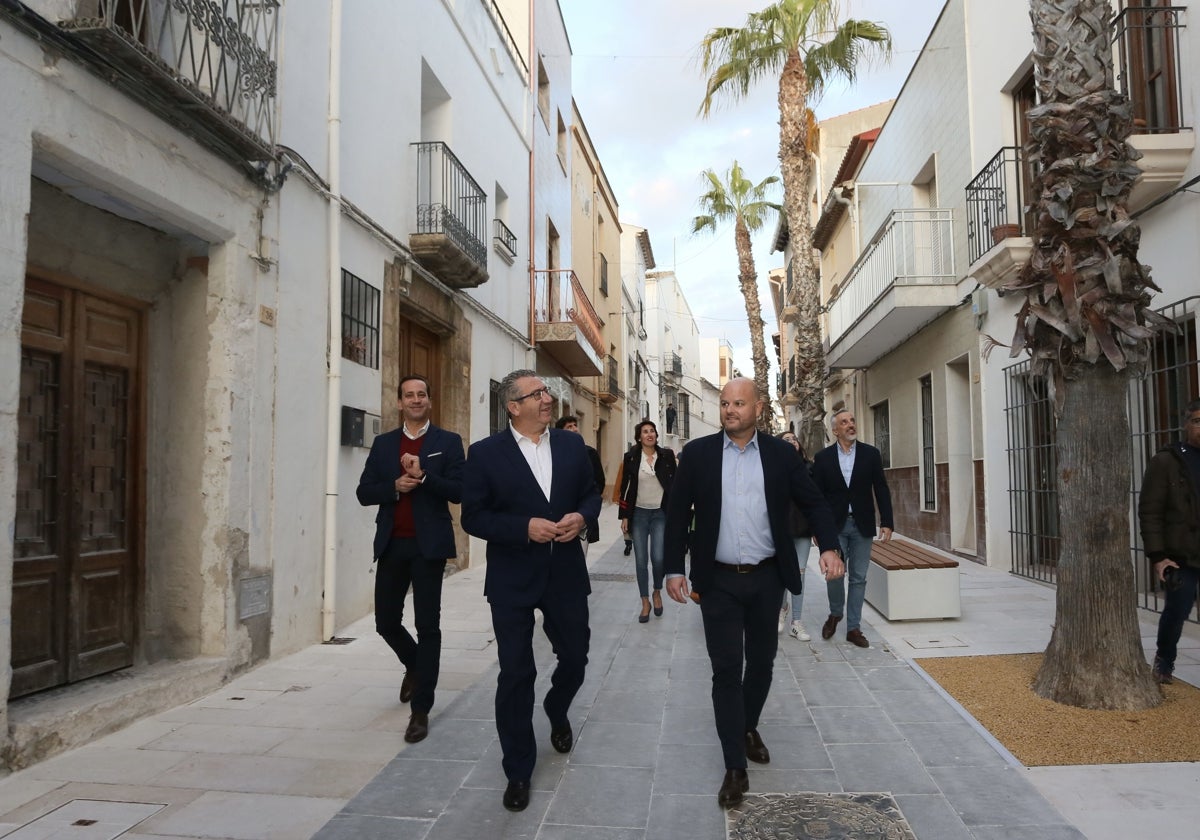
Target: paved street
{"points": [[312, 745]]}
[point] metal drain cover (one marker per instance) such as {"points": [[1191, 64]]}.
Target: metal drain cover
{"points": [[819, 816], [615, 577]]}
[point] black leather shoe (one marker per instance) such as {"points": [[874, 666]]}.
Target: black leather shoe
{"points": [[736, 783], [561, 737], [418, 727], [658, 605], [516, 796], [856, 637], [756, 750], [628, 547], [407, 686], [830, 626]]}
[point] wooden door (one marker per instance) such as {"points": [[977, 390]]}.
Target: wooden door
{"points": [[419, 356], [76, 532]]}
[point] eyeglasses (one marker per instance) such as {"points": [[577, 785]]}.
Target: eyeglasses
{"points": [[537, 394]]}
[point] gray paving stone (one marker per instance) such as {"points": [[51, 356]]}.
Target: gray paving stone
{"points": [[407, 788], [916, 706], [488, 772], [1039, 832], [950, 744], [616, 744], [774, 779], [812, 668], [688, 768], [689, 695], [682, 817], [997, 797], [795, 748], [619, 706], [854, 725], [589, 832], [365, 827], [453, 740], [931, 817], [836, 693], [880, 768], [618, 797], [689, 726], [894, 677], [475, 814]]}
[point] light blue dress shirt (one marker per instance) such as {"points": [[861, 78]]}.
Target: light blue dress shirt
{"points": [[846, 460], [745, 531]]}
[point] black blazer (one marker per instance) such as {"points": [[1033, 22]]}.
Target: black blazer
{"points": [[697, 493], [631, 462], [593, 527], [501, 495], [867, 479], [442, 460]]}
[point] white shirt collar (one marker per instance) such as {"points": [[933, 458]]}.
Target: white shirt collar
{"points": [[420, 432]]}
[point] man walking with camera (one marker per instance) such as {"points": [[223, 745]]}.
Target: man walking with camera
{"points": [[1169, 511]]}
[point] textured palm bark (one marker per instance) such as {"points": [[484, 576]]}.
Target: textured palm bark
{"points": [[748, 280], [1083, 323], [796, 169]]}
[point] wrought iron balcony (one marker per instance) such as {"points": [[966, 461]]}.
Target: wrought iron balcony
{"points": [[610, 390], [451, 218], [998, 221], [791, 395], [505, 241], [565, 324], [673, 365], [790, 311], [206, 66], [903, 279]]}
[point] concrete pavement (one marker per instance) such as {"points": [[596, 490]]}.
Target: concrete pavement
{"points": [[312, 745]]}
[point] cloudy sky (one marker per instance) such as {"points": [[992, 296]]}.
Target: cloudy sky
{"points": [[638, 85]]}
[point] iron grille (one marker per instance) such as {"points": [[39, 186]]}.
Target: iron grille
{"points": [[994, 202], [449, 201], [928, 476], [360, 321], [1149, 70], [604, 275], [881, 419], [505, 239]]}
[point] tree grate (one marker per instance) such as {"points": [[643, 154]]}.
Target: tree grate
{"points": [[828, 816], [613, 576]]}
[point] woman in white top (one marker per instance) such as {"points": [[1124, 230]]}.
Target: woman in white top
{"points": [[646, 475]]}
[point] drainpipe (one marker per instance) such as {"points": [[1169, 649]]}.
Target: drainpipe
{"points": [[533, 117], [333, 385]]}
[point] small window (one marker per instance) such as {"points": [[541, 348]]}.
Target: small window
{"points": [[928, 478], [543, 92], [360, 321], [604, 275], [497, 413], [883, 432], [562, 142]]}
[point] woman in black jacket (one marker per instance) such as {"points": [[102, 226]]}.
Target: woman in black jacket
{"points": [[646, 475]]}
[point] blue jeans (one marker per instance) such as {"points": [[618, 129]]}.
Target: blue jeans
{"points": [[1177, 605], [646, 530], [803, 544], [856, 551]]}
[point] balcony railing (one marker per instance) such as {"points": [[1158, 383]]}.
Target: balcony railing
{"points": [[1149, 67], [451, 209], [610, 390], [208, 66], [558, 296], [603, 275], [674, 364], [995, 204], [912, 248], [504, 238]]}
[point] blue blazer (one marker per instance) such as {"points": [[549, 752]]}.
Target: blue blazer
{"points": [[696, 496], [867, 487], [442, 460], [501, 495]]}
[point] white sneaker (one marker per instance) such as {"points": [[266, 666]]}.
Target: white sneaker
{"points": [[783, 617], [798, 632]]}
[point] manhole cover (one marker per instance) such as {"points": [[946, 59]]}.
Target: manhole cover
{"points": [[819, 816], [618, 578]]}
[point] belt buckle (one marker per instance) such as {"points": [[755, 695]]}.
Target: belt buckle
{"points": [[744, 568]]}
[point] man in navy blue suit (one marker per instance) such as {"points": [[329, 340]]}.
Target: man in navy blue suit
{"points": [[850, 474], [413, 473], [529, 491], [738, 487]]}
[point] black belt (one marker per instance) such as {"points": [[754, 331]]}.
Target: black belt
{"points": [[745, 568]]}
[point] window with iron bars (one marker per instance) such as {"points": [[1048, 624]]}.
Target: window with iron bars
{"points": [[928, 478], [883, 432], [360, 321], [604, 275], [497, 413]]}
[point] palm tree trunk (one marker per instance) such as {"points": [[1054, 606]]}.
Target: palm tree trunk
{"points": [[796, 170], [748, 279]]}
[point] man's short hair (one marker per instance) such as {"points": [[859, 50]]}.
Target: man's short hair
{"points": [[409, 377], [833, 417], [508, 386], [1190, 409], [561, 422]]}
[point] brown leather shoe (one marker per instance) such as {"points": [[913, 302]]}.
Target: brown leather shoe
{"points": [[856, 637], [407, 686], [418, 727], [735, 784], [830, 626], [756, 750]]}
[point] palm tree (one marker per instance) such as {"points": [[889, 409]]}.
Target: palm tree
{"points": [[1085, 322], [736, 197], [804, 44]]}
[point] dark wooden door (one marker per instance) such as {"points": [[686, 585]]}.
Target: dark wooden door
{"points": [[76, 533], [419, 356]]}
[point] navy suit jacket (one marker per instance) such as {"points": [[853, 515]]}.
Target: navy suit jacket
{"points": [[442, 460], [866, 480], [501, 495], [696, 492]]}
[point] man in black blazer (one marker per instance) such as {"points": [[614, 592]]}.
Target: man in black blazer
{"points": [[739, 486], [570, 423], [530, 491], [413, 473], [850, 474]]}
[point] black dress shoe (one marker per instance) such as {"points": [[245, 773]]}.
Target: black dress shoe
{"points": [[407, 686], [736, 783], [856, 637], [658, 606], [628, 547], [561, 737], [830, 626], [756, 750], [418, 727], [516, 796]]}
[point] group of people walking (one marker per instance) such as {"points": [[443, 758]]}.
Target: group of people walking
{"points": [[737, 512]]}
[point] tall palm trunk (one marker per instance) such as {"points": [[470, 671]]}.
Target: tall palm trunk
{"points": [[796, 169], [748, 279], [1082, 323]]}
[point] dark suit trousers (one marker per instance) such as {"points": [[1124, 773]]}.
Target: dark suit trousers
{"points": [[565, 623], [402, 566], [740, 612]]}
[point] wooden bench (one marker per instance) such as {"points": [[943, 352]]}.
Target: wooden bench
{"points": [[906, 581]]}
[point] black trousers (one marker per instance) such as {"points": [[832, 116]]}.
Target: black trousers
{"points": [[565, 623], [740, 615], [400, 567]]}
